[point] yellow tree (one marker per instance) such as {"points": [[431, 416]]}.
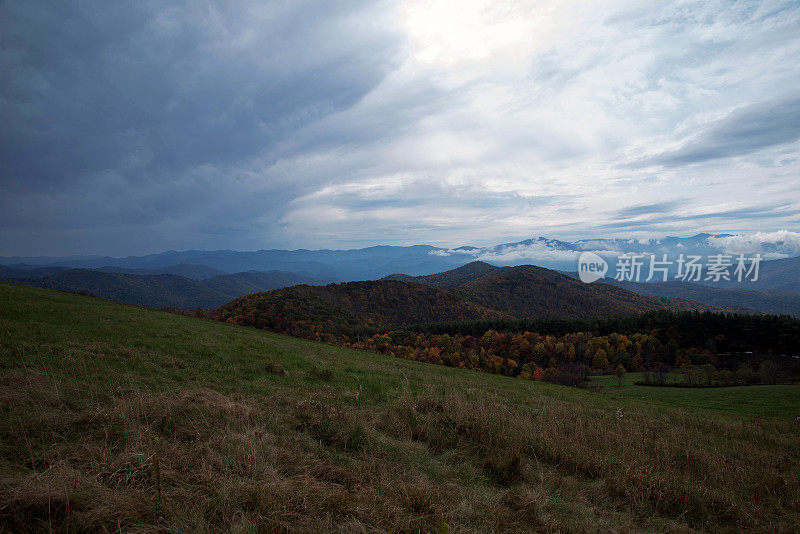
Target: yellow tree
{"points": [[600, 360]]}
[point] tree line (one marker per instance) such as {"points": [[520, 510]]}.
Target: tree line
{"points": [[701, 348]]}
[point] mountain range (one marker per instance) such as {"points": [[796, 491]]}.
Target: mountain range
{"points": [[208, 279], [379, 261]]}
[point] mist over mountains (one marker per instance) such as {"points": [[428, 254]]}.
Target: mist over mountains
{"points": [[379, 261]]}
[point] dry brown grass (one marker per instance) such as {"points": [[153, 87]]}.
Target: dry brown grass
{"points": [[201, 434], [82, 460]]}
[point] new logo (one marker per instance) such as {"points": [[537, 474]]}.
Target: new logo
{"points": [[591, 267]]}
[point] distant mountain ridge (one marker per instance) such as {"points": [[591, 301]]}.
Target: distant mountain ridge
{"points": [[774, 302], [379, 261], [165, 290], [781, 275], [28, 271], [367, 263], [193, 272], [211, 289]]}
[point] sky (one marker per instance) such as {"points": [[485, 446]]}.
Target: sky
{"points": [[138, 127]]}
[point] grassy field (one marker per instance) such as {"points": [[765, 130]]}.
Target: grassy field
{"points": [[781, 401], [628, 379], [117, 418]]}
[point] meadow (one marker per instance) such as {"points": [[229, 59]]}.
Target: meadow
{"points": [[119, 418], [780, 401]]}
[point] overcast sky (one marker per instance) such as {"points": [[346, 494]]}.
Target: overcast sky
{"points": [[128, 128]]}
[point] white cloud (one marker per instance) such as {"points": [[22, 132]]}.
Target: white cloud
{"points": [[601, 87], [782, 243], [441, 253], [535, 253]]}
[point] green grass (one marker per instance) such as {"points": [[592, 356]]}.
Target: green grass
{"points": [[780, 401], [606, 381], [118, 418]]}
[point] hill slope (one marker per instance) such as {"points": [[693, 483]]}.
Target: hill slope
{"points": [[238, 284], [449, 279], [165, 290], [527, 292], [780, 275], [193, 272], [530, 292], [345, 306], [28, 272], [154, 290], [762, 301], [253, 431]]}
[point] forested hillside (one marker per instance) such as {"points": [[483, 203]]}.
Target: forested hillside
{"points": [[346, 307], [528, 291], [532, 323], [476, 291], [452, 278], [154, 290]]}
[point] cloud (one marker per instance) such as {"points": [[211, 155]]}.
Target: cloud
{"points": [[170, 118], [441, 253], [782, 243], [134, 127], [712, 214], [649, 209], [743, 131], [535, 253]]}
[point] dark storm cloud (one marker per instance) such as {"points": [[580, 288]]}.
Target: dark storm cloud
{"points": [[117, 113], [139, 126], [746, 130]]}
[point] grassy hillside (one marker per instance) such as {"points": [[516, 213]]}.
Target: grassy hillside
{"points": [[782, 401], [117, 418]]}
